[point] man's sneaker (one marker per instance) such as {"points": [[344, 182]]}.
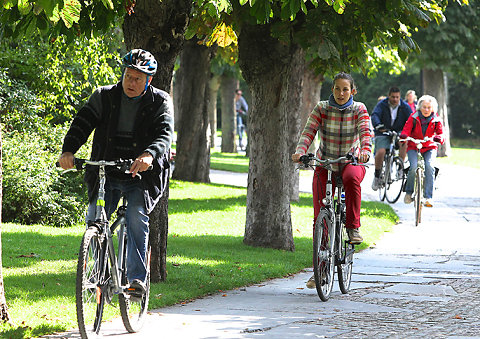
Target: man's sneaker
{"points": [[408, 198], [376, 183], [311, 282], [354, 236], [428, 202], [137, 288]]}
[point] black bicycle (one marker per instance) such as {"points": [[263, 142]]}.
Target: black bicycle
{"points": [[101, 271], [331, 245], [392, 176]]}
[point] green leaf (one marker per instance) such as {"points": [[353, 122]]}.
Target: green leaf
{"points": [[24, 7], [42, 23], [48, 6], [339, 6], [31, 27], [7, 4], [108, 4], [243, 2], [70, 12], [304, 8]]}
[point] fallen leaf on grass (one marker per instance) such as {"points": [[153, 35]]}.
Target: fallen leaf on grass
{"points": [[31, 255]]}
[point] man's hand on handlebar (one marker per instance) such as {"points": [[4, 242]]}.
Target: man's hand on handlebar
{"points": [[66, 160], [381, 128], [141, 164]]}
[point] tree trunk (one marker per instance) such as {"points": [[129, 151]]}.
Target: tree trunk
{"points": [[4, 317], [177, 96], [435, 84], [312, 86], [229, 121], [295, 98], [268, 221], [214, 86], [192, 161], [159, 27]]}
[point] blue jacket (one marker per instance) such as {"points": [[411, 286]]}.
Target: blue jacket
{"points": [[381, 115]]}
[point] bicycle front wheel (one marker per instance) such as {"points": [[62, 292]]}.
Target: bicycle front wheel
{"points": [[323, 258], [394, 180], [418, 196], [89, 295], [345, 260], [134, 309]]}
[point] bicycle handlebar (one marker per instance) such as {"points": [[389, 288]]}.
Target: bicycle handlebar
{"points": [[417, 141], [121, 164], [348, 159]]}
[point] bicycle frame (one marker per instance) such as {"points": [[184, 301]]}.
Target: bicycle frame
{"points": [[419, 178], [102, 223]]}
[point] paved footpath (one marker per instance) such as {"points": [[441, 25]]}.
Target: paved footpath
{"points": [[417, 282]]}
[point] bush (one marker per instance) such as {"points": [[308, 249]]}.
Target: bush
{"points": [[34, 191]]}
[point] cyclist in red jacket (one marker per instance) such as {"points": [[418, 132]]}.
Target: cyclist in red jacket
{"points": [[424, 123]]}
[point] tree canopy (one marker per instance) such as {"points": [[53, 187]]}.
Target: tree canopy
{"points": [[454, 45], [23, 18]]}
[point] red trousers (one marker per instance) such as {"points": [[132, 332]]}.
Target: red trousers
{"points": [[352, 177]]}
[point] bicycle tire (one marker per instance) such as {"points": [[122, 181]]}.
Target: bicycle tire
{"points": [[88, 292], [323, 256], [134, 310], [394, 180], [345, 258], [418, 196]]}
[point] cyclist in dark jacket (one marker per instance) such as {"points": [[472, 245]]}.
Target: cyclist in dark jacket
{"points": [[389, 114], [132, 120]]}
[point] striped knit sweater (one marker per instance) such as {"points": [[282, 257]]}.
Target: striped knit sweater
{"points": [[340, 131]]}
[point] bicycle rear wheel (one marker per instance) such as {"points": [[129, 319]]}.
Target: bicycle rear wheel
{"points": [[418, 196], [345, 260], [394, 180], [323, 258], [89, 295], [134, 309]]}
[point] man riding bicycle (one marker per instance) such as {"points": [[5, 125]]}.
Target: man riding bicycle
{"points": [[390, 113], [132, 120]]}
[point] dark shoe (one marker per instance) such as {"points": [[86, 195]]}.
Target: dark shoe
{"points": [[137, 288], [354, 236]]}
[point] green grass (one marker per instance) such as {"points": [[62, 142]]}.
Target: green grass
{"points": [[229, 162], [206, 255], [469, 157]]}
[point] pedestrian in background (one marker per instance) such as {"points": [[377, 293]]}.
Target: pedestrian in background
{"points": [[241, 109], [411, 99]]}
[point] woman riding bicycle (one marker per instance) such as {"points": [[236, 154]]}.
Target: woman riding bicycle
{"points": [[424, 123], [343, 126]]}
